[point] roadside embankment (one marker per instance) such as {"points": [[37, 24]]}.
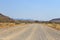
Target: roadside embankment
{"points": [[53, 25]]}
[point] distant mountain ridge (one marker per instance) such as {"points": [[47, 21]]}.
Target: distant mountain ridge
{"points": [[5, 19]]}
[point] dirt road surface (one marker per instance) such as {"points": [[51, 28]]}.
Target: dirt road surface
{"points": [[30, 32]]}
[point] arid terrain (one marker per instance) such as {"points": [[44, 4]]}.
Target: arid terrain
{"points": [[11, 29], [53, 25], [33, 31]]}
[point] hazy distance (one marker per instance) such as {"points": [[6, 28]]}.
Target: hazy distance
{"points": [[31, 9]]}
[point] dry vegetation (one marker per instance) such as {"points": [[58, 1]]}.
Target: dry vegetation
{"points": [[6, 25], [56, 26], [53, 25]]}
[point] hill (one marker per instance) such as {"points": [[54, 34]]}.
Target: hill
{"points": [[56, 20], [4, 18]]}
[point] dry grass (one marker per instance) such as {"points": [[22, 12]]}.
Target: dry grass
{"points": [[6, 25], [53, 25]]}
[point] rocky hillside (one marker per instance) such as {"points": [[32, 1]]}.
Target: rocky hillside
{"points": [[4, 18], [55, 20]]}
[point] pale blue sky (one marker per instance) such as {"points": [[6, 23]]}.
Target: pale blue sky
{"points": [[31, 9]]}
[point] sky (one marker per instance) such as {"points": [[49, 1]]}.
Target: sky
{"points": [[31, 9]]}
